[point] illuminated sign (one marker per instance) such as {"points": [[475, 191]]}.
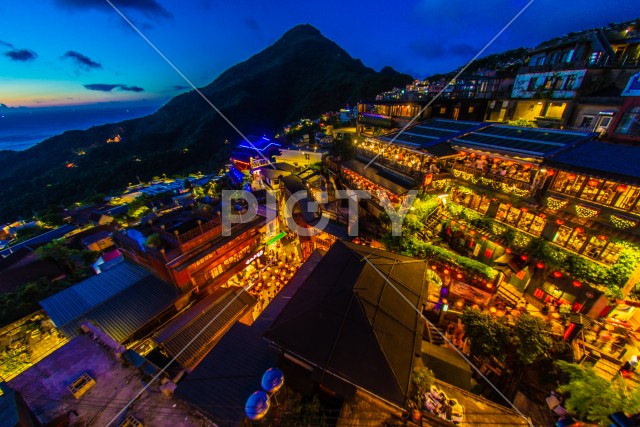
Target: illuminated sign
{"points": [[250, 260]]}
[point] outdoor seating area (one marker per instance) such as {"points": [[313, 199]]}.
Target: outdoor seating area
{"points": [[497, 166]]}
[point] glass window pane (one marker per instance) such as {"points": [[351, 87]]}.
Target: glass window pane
{"points": [[562, 235]]}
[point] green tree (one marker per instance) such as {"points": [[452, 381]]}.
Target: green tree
{"points": [[593, 398], [532, 338], [421, 380], [489, 337]]}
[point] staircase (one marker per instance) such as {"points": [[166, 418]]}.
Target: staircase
{"points": [[508, 294], [431, 334], [431, 223]]}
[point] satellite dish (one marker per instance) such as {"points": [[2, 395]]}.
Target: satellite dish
{"points": [[272, 380], [257, 406]]}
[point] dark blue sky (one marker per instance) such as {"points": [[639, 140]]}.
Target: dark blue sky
{"points": [[55, 52]]}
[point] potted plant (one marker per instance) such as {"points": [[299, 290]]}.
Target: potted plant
{"points": [[421, 381]]}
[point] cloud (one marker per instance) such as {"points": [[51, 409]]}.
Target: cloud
{"points": [[131, 88], [21, 55], [5, 44], [150, 8], [81, 60], [103, 87]]}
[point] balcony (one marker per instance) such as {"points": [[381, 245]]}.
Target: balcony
{"points": [[411, 172], [496, 182]]}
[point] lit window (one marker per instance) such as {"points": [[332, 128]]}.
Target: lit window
{"points": [[629, 124]]}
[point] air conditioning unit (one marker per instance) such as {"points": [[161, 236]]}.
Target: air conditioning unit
{"points": [[81, 385], [131, 421]]}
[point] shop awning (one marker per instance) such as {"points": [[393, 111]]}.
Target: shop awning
{"points": [[276, 238]]}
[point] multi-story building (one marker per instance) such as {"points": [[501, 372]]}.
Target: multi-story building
{"points": [[188, 249], [554, 212]]}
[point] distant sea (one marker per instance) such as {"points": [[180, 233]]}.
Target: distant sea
{"points": [[21, 128]]}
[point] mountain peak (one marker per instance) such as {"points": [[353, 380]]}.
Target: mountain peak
{"points": [[302, 30]]}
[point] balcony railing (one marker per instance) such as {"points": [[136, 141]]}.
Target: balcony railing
{"points": [[411, 172], [496, 182]]}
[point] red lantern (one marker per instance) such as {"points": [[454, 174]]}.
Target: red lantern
{"points": [[463, 153], [559, 221], [577, 284], [484, 237], [571, 177], [508, 250], [602, 237], [459, 276], [524, 210], [446, 271], [593, 183], [489, 286], [524, 257], [551, 173], [557, 274], [434, 268], [622, 188], [543, 216], [579, 230], [472, 232], [540, 265]]}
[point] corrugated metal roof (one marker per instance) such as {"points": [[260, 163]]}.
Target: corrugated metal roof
{"points": [[535, 142], [377, 176], [126, 312], [78, 299], [226, 311], [227, 376], [431, 132]]}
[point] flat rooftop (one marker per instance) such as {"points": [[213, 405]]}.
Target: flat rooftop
{"points": [[44, 388]]}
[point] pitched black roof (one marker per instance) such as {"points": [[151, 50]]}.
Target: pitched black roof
{"points": [[348, 322], [613, 161], [431, 134], [226, 306], [520, 141]]}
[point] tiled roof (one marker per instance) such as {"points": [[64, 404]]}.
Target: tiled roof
{"points": [[221, 384], [520, 141], [431, 133], [225, 307], [78, 299], [602, 159]]}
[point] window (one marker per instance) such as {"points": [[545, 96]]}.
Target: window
{"points": [[586, 121], [570, 82], [628, 198], [470, 109], [548, 82], [630, 123], [443, 110], [531, 223], [533, 83], [472, 201], [591, 189], [554, 58], [567, 56], [611, 253], [605, 196], [572, 239], [557, 83], [594, 247], [502, 211]]}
